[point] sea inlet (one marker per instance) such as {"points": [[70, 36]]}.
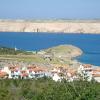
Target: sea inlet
{"points": [[89, 44]]}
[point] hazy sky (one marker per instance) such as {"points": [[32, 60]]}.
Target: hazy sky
{"points": [[41, 9]]}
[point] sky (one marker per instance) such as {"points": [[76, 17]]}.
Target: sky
{"points": [[49, 9]]}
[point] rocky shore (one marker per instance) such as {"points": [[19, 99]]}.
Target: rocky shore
{"points": [[64, 26]]}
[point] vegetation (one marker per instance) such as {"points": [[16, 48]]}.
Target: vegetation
{"points": [[57, 54], [47, 89], [11, 51], [64, 51]]}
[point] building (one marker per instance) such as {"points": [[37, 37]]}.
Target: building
{"points": [[96, 74], [85, 71]]}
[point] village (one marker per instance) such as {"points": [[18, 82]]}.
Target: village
{"points": [[84, 71]]}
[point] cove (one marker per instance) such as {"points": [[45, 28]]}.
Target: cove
{"points": [[90, 44]]}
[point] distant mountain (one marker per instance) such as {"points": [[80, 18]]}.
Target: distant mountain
{"points": [[51, 26]]}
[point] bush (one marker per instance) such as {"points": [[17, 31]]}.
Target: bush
{"points": [[47, 89]]}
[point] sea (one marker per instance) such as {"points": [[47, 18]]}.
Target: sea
{"points": [[89, 44]]}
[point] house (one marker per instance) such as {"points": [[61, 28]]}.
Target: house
{"points": [[47, 57], [3, 75], [30, 71], [71, 75], [96, 74], [85, 68], [24, 74], [39, 72], [57, 70], [6, 69], [36, 71], [56, 77], [14, 72], [85, 71]]}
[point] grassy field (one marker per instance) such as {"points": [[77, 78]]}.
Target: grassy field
{"points": [[58, 55]]}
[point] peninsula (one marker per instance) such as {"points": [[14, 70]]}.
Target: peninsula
{"points": [[51, 26], [61, 54]]}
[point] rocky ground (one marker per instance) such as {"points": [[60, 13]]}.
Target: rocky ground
{"points": [[65, 26]]}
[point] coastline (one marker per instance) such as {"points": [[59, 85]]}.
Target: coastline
{"points": [[51, 26], [78, 39], [62, 54]]}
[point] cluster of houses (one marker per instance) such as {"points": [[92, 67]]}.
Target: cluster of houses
{"points": [[84, 71], [89, 72], [15, 72]]}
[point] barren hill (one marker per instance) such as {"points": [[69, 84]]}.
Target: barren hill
{"points": [[66, 26]]}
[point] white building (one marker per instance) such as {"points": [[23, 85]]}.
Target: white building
{"points": [[6, 69], [85, 71], [56, 77], [96, 74]]}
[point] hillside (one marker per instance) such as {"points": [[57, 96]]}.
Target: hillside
{"points": [[65, 26], [63, 51], [61, 54], [12, 51]]}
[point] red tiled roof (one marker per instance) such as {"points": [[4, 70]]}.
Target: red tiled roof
{"points": [[23, 71], [31, 66], [24, 74], [87, 65], [72, 72], [37, 69], [30, 70], [96, 75], [96, 70], [2, 74]]}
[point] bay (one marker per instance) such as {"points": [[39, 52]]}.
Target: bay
{"points": [[90, 44]]}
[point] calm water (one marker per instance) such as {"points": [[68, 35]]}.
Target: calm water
{"points": [[90, 44]]}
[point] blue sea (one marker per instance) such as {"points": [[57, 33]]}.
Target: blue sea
{"points": [[90, 44]]}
